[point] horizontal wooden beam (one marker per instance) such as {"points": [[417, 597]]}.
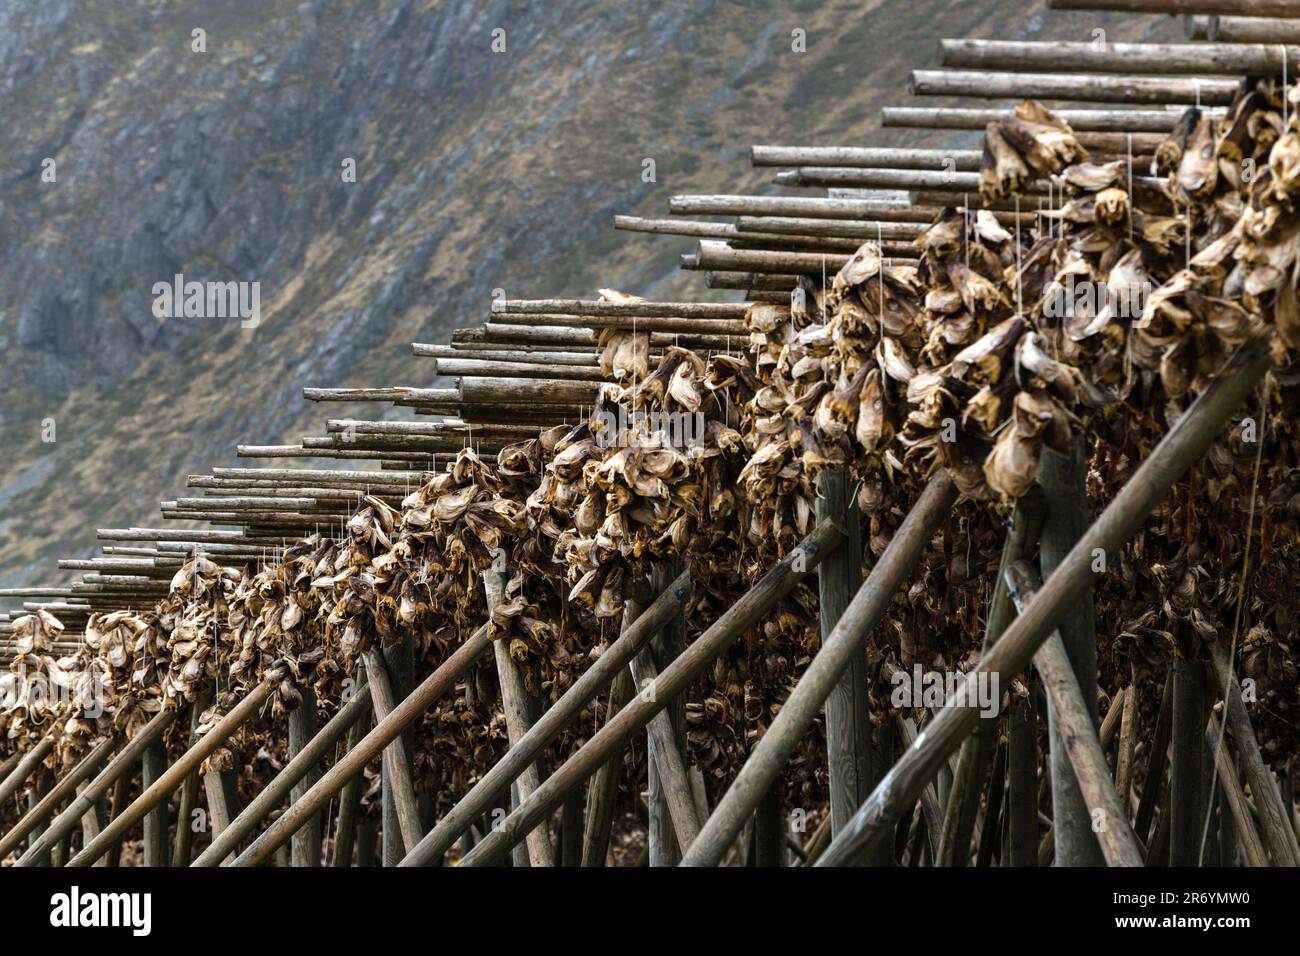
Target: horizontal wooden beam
{"points": [[1073, 86], [1054, 56]]}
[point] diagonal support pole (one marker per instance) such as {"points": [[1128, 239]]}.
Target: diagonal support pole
{"points": [[1078, 735], [593, 680], [1186, 442], [676, 677], [846, 641]]}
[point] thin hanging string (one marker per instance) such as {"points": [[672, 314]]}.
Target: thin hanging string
{"points": [[1286, 111], [1130, 188], [965, 221]]}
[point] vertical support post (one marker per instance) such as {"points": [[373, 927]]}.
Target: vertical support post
{"points": [[603, 790], [40, 783], [571, 826], [345, 832], [1022, 784], [184, 837], [219, 789], [854, 766], [399, 661], [1186, 813], [1064, 486], [769, 829], [663, 648], [306, 843], [977, 750], [514, 702], [153, 766]]}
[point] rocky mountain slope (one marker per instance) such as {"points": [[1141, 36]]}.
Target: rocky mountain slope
{"points": [[475, 170]]}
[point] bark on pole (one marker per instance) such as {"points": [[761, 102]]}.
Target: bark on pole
{"points": [[664, 737], [1075, 718], [403, 826], [1065, 521], [1186, 442]]}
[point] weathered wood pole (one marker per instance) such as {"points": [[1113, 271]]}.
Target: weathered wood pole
{"points": [[399, 662], [1074, 577], [1274, 817], [963, 803], [184, 837], [1064, 484], [664, 735], [851, 758], [603, 789], [25, 767], [117, 768], [1185, 810], [724, 632], [58, 793], [345, 831], [1235, 802], [174, 775], [405, 821], [221, 796], [1022, 784], [1104, 814], [305, 848], [594, 679], [671, 775], [514, 702], [846, 641], [385, 731]]}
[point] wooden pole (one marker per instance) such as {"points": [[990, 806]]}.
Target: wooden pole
{"points": [[58, 793], [385, 731], [1104, 815], [673, 785], [26, 767], [667, 778], [1254, 8], [402, 821], [853, 764], [1185, 809], [173, 776], [963, 804], [515, 705], [1063, 480], [350, 796], [1022, 784], [846, 641], [219, 789], [1235, 802], [1276, 830], [1073, 86], [1156, 759], [305, 848], [117, 768], [183, 840], [1185, 444], [1165, 58], [560, 715], [724, 632], [1243, 29], [603, 790]]}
